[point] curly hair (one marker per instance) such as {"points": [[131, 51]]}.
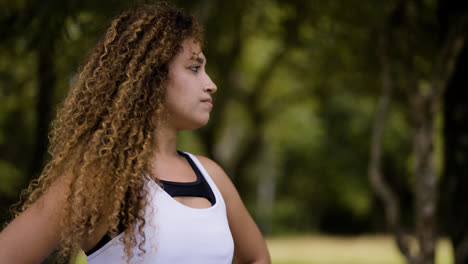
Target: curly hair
{"points": [[103, 134]]}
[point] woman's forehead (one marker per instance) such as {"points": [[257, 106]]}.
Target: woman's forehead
{"points": [[191, 50]]}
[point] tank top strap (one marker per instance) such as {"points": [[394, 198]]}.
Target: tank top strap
{"points": [[214, 188]]}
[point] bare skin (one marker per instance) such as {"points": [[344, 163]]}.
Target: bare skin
{"points": [[33, 235]]}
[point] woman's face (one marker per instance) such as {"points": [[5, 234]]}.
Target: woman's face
{"points": [[189, 88]]}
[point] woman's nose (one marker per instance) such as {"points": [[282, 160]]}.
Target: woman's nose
{"points": [[210, 86]]}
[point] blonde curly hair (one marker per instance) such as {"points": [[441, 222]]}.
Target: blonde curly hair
{"points": [[103, 134]]}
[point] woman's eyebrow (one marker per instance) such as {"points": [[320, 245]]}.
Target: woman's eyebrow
{"points": [[197, 59]]}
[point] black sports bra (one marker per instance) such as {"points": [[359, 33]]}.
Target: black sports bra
{"points": [[198, 188]]}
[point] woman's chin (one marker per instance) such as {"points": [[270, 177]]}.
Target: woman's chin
{"points": [[196, 124]]}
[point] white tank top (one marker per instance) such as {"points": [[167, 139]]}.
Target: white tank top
{"points": [[176, 233]]}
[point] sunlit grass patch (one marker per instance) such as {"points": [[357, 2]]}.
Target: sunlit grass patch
{"points": [[344, 250]]}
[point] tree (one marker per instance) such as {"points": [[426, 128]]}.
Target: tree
{"points": [[454, 182], [424, 105]]}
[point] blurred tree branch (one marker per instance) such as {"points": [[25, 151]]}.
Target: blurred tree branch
{"points": [[382, 188]]}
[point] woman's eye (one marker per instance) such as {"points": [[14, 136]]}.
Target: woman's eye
{"points": [[194, 68]]}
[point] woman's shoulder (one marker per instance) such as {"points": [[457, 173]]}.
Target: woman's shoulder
{"points": [[217, 174], [209, 164]]}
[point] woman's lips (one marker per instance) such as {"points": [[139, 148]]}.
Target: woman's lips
{"points": [[208, 102]]}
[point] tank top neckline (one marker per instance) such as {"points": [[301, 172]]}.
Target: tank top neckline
{"points": [[210, 182]]}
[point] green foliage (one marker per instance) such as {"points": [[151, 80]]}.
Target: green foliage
{"points": [[11, 179], [300, 77]]}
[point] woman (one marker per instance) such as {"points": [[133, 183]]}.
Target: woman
{"points": [[116, 186]]}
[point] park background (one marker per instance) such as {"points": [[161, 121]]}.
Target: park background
{"points": [[343, 124]]}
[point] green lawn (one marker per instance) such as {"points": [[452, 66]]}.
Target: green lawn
{"points": [[344, 250], [338, 250]]}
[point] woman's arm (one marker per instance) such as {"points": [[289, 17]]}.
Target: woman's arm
{"points": [[33, 235], [249, 244]]}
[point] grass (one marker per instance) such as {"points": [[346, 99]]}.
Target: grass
{"points": [[369, 249], [344, 250]]}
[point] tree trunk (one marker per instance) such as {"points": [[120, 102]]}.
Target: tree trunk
{"points": [[383, 190], [46, 84], [455, 183], [425, 191]]}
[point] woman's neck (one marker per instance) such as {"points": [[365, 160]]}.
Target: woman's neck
{"points": [[166, 138]]}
